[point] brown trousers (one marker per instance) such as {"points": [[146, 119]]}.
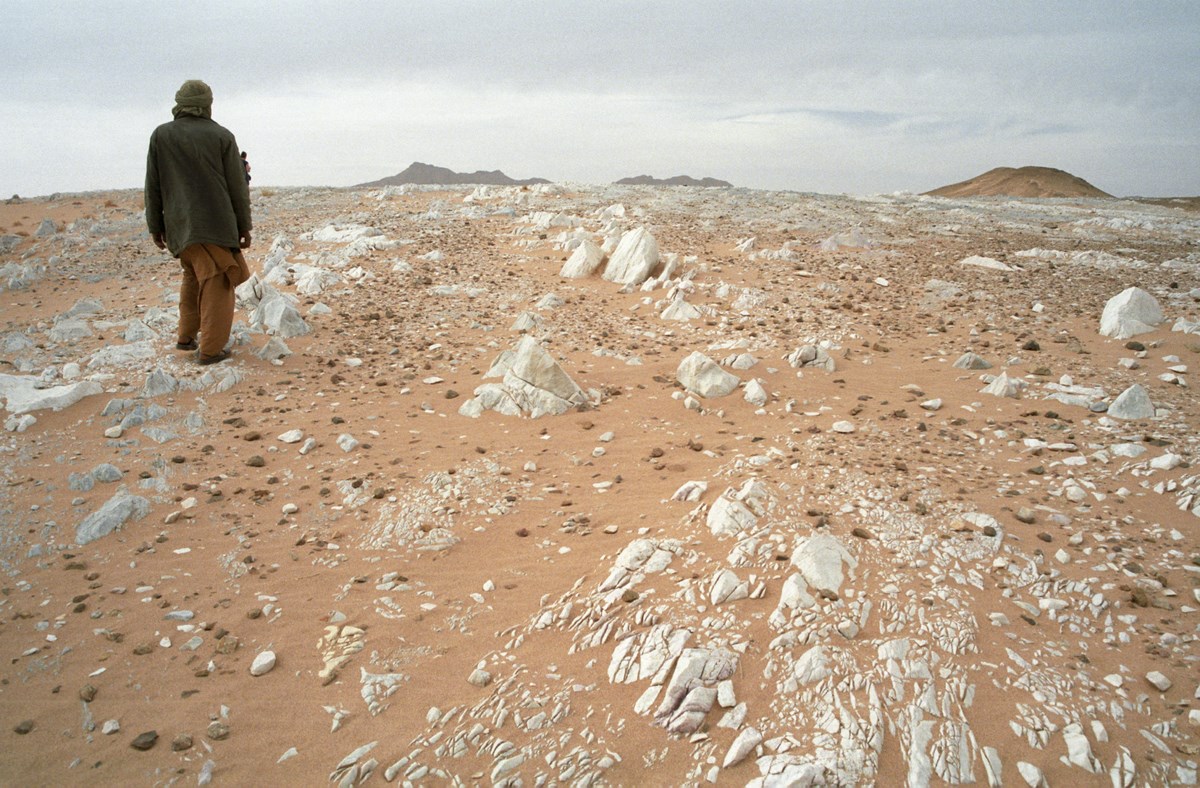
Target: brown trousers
{"points": [[206, 297]]}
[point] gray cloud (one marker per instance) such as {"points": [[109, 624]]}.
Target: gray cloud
{"points": [[907, 96]]}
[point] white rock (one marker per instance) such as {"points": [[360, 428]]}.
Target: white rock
{"points": [[1166, 462], [634, 258], [690, 491], [742, 745], [1160, 682], [1031, 774], [728, 517], [985, 262], [22, 397], [728, 587], [755, 394], [1079, 750], [844, 427], [811, 666], [819, 559], [1132, 311], [971, 361], [702, 376], [1132, 403], [292, 436], [584, 261], [1004, 386], [679, 309], [263, 663]]}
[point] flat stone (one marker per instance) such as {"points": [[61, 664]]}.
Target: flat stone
{"points": [[1158, 680]]}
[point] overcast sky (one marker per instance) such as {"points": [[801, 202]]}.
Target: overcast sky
{"points": [[837, 96]]}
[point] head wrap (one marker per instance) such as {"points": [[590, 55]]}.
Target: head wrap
{"points": [[193, 98]]}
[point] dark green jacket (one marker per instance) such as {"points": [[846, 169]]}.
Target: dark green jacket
{"points": [[196, 190]]}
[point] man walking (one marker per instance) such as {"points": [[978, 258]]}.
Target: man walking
{"points": [[198, 208]]}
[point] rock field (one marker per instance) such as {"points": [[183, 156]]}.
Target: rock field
{"points": [[567, 485]]}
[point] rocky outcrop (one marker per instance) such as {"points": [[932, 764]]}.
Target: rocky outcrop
{"points": [[532, 384]]}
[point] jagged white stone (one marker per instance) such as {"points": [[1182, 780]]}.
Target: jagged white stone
{"points": [[115, 512], [533, 383], [634, 258], [1004, 386], [21, 394], [1131, 312], [812, 666], [743, 744], [690, 491], [729, 517], [277, 315], [702, 376], [972, 361], [728, 587], [978, 261], [680, 309], [755, 394], [819, 559], [584, 261], [1079, 750], [1132, 403]]}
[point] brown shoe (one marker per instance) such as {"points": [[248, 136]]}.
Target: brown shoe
{"points": [[217, 359], [191, 344]]}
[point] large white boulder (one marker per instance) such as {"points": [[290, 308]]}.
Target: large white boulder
{"points": [[584, 261], [702, 376], [1132, 311], [634, 258]]}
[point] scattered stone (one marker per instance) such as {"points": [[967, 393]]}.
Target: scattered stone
{"points": [[144, 741], [263, 663], [703, 377], [1133, 403], [1158, 680]]}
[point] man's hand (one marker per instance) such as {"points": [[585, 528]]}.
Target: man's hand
{"points": [[244, 240], [159, 240]]}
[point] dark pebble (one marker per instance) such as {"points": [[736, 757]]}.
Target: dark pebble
{"points": [[144, 741]]}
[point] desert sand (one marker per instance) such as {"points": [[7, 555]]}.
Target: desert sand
{"points": [[847, 565]]}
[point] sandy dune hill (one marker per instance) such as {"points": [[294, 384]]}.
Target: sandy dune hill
{"points": [[829, 491], [1021, 182]]}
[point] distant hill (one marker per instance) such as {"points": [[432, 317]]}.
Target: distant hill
{"points": [[1021, 182], [678, 180], [431, 175]]}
